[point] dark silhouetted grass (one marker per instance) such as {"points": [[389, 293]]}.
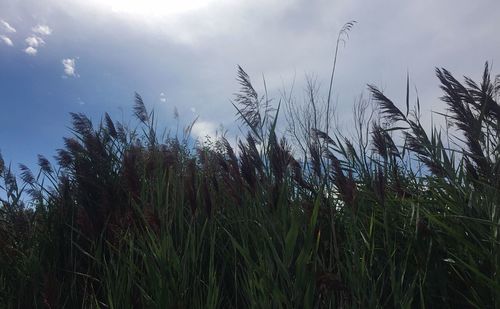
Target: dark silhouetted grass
{"points": [[124, 219]]}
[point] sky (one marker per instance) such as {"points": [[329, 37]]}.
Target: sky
{"points": [[90, 56]]}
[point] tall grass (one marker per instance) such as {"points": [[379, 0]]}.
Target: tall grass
{"points": [[125, 219]]}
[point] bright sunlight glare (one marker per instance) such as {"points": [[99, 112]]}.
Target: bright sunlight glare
{"points": [[152, 8]]}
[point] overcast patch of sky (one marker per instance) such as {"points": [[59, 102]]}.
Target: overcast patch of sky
{"points": [[192, 57]]}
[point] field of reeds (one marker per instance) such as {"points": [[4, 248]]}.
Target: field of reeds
{"points": [[401, 216]]}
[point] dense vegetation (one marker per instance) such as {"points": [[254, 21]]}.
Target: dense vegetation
{"points": [[396, 217]]}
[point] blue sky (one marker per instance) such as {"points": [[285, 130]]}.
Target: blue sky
{"points": [[92, 55]]}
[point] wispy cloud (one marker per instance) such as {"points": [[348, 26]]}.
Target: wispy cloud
{"points": [[69, 67], [34, 41], [42, 30], [31, 51], [6, 26], [6, 40]]}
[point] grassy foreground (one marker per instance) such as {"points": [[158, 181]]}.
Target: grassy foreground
{"points": [[397, 218]]}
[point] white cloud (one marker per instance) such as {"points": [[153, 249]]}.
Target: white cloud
{"points": [[31, 51], [163, 98], [42, 30], [6, 40], [6, 27], [201, 129], [34, 41], [69, 67]]}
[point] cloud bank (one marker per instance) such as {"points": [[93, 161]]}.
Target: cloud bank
{"points": [[202, 128]]}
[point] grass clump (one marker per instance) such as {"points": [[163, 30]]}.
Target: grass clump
{"points": [[392, 219]]}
